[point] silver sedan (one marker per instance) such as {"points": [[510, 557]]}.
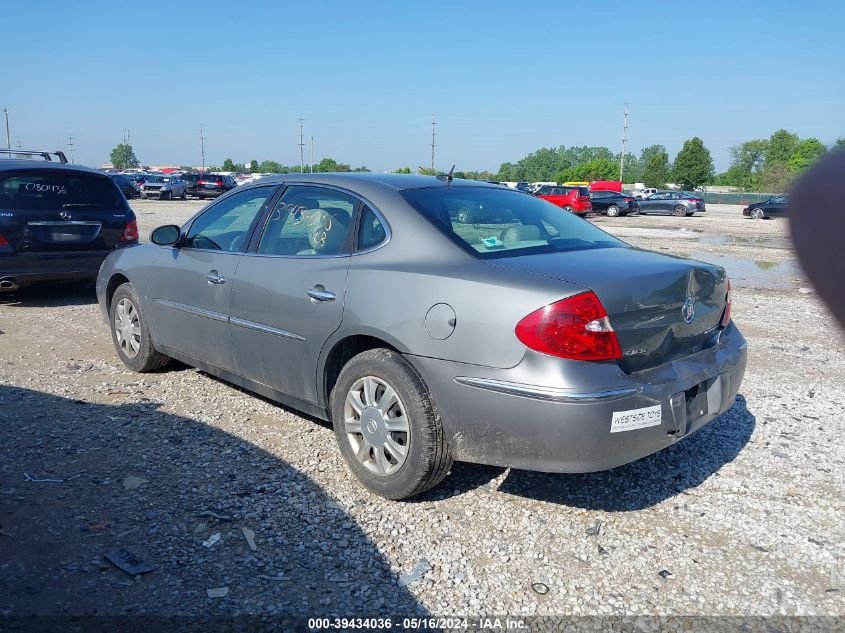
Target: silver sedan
{"points": [[433, 320]]}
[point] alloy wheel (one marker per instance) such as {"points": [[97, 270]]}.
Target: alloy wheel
{"points": [[376, 425], [127, 328]]}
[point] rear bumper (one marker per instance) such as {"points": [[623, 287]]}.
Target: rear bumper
{"points": [[498, 417], [205, 193], [67, 266]]}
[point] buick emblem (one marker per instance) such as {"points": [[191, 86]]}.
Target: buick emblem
{"points": [[688, 310], [64, 215]]}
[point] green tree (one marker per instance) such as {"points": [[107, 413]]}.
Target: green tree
{"points": [[253, 165], [270, 167], [229, 165], [633, 167], [402, 170], [693, 165], [806, 153], [776, 178], [656, 170], [596, 169], [781, 147], [122, 157], [427, 171], [839, 145]]}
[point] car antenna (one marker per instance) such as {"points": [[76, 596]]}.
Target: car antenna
{"points": [[447, 177]]}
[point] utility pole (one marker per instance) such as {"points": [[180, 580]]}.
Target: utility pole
{"points": [[202, 146], [18, 139], [312, 154], [8, 138], [301, 149], [125, 136], [433, 134], [70, 145], [624, 142]]}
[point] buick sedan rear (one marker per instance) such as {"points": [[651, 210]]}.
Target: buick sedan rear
{"points": [[527, 337]]}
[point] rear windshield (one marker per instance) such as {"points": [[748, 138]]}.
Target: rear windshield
{"points": [[492, 223], [45, 190]]}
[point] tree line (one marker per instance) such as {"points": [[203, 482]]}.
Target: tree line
{"points": [[757, 165]]}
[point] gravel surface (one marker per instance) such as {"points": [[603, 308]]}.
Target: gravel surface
{"points": [[744, 517]]}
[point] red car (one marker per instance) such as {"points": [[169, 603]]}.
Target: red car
{"points": [[572, 198]]}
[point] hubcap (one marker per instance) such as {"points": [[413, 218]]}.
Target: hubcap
{"points": [[376, 425], [127, 328]]}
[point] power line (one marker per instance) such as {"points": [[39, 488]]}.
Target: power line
{"points": [[202, 146], [433, 134], [624, 142], [301, 149]]}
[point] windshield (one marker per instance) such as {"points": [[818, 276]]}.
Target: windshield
{"points": [[492, 223], [47, 190], [158, 179]]}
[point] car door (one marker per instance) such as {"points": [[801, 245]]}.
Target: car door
{"points": [[289, 291], [190, 284], [599, 200], [652, 203], [777, 206]]}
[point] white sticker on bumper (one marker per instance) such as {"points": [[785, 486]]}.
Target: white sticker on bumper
{"points": [[635, 419]]}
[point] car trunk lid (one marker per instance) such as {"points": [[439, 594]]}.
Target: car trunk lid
{"points": [[660, 307]]}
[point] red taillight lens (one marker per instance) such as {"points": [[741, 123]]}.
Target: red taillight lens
{"points": [[219, 183], [726, 317], [576, 328], [3, 240], [130, 233]]}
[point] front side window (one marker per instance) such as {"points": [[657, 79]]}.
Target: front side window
{"points": [[309, 221], [224, 226], [504, 223]]}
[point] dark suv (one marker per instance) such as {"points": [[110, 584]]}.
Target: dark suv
{"points": [[58, 221], [213, 185], [192, 180]]}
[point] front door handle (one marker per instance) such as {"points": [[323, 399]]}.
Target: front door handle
{"points": [[318, 293], [216, 278]]}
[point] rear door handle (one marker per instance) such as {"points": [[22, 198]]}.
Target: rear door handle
{"points": [[318, 293], [214, 277]]}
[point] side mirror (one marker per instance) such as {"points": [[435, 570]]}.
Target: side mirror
{"points": [[167, 235]]}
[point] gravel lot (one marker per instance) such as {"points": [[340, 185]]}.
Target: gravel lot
{"points": [[745, 517]]}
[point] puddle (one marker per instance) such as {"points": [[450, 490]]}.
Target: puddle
{"points": [[759, 241], [749, 273]]}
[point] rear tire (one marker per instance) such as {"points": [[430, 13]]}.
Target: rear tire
{"points": [[130, 333], [758, 214], [612, 211], [372, 433], [185, 195], [568, 209], [680, 210]]}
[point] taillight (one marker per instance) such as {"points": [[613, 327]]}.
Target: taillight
{"points": [[219, 183], [576, 328], [130, 233], [726, 316], [629, 199], [3, 240]]}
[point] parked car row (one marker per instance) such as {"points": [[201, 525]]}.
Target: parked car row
{"points": [[172, 185]]}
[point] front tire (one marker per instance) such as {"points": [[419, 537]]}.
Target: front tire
{"points": [[130, 333], [758, 214], [612, 211], [387, 427], [568, 209]]}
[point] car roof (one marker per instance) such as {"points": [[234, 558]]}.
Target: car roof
{"points": [[22, 163], [397, 182]]}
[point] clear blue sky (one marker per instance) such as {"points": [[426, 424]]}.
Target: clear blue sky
{"points": [[504, 78]]}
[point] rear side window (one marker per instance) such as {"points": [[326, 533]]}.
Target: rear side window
{"points": [[49, 190], [309, 221], [372, 231], [494, 223]]}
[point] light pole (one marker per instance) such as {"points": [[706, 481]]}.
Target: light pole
{"points": [[312, 154], [8, 138]]}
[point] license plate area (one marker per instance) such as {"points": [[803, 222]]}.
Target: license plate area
{"points": [[696, 400]]}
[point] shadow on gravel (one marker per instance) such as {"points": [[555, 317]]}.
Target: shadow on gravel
{"points": [[48, 295], [311, 558], [650, 480]]}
